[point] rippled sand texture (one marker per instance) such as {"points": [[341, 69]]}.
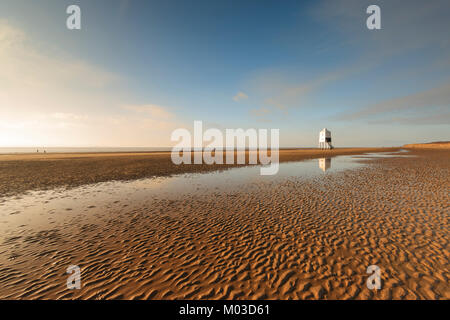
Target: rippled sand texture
{"points": [[295, 239]]}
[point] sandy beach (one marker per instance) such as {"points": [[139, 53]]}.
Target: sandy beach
{"points": [[38, 171], [294, 237]]}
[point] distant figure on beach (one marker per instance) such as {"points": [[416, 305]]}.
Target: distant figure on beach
{"points": [[37, 150]]}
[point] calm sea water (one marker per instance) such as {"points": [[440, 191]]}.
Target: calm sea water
{"points": [[4, 150]]}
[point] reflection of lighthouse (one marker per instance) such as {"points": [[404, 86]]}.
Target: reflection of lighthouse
{"points": [[325, 164]]}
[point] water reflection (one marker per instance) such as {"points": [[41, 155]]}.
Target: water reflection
{"points": [[45, 207], [325, 164]]}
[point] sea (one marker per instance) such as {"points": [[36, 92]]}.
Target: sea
{"points": [[7, 150]]}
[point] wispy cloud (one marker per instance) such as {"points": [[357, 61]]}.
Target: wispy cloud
{"points": [[56, 100], [240, 96], [260, 112], [51, 83], [421, 101], [440, 118], [151, 110], [279, 93]]}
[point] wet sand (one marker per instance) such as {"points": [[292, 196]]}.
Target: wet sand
{"points": [[293, 238], [38, 171]]}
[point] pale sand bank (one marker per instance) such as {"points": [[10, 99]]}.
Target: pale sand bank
{"points": [[430, 145]]}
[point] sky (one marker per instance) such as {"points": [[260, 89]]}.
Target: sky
{"points": [[137, 70]]}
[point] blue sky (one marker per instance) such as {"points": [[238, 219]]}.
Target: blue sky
{"points": [[139, 69]]}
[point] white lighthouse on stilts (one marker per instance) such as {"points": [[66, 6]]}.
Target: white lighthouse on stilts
{"points": [[325, 139]]}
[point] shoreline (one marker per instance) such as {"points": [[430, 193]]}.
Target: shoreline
{"points": [[20, 173]]}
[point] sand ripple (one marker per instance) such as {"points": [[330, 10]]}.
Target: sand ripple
{"points": [[296, 239]]}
